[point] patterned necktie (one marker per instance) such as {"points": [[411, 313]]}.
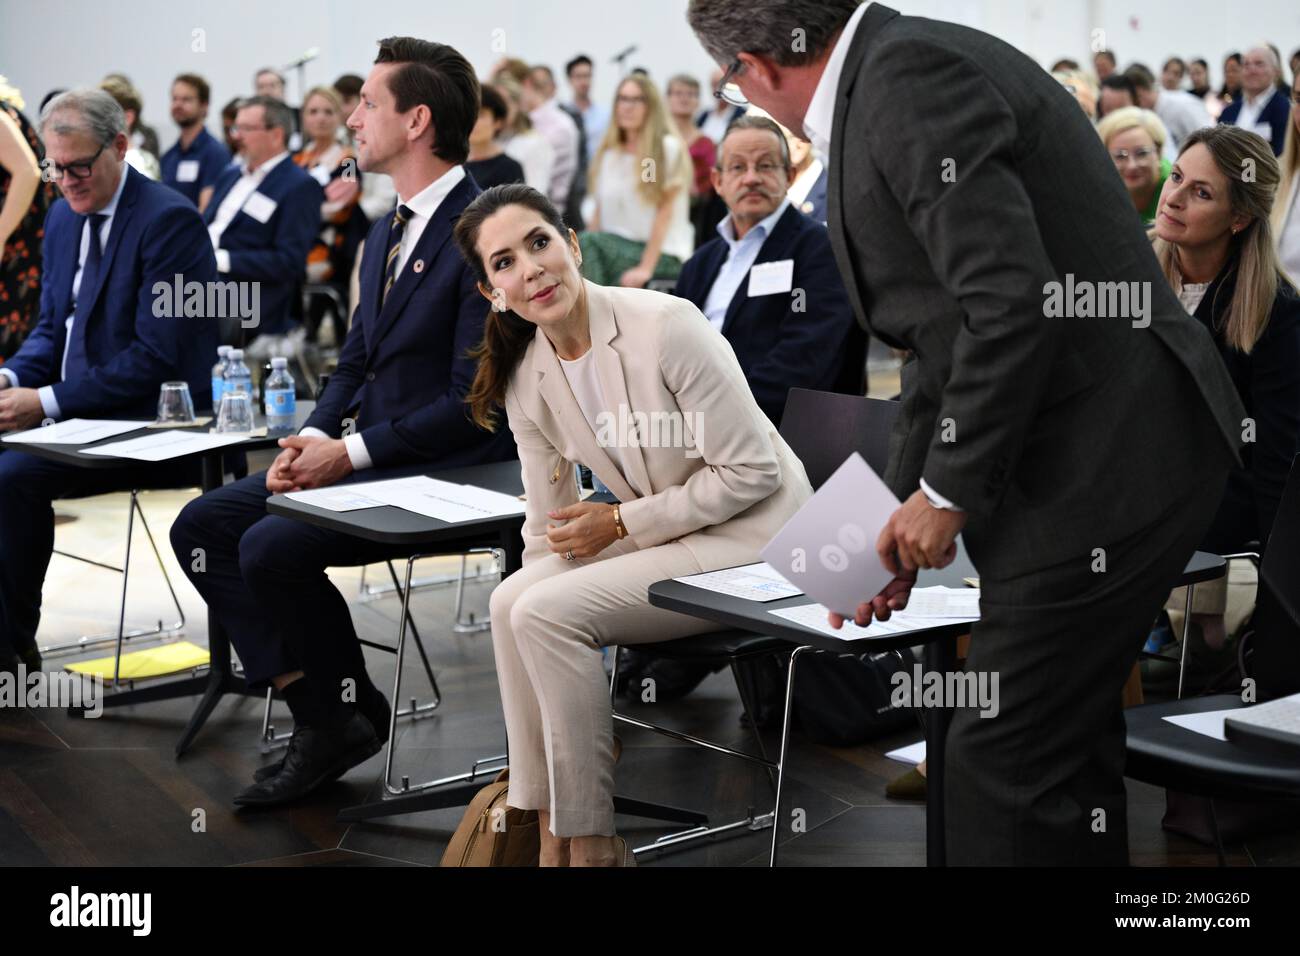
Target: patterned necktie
{"points": [[395, 233]]}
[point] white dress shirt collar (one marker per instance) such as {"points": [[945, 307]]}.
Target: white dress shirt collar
{"points": [[264, 170], [820, 117], [762, 229], [426, 202]]}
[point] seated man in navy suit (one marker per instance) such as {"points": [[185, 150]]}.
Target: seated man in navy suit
{"points": [[768, 281], [394, 407], [263, 218], [105, 341]]}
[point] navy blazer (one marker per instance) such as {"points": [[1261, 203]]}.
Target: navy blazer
{"points": [[1277, 114], [406, 363], [130, 341], [821, 347], [273, 253], [814, 204]]}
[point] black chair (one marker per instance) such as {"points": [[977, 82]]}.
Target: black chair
{"points": [[823, 429], [1166, 755]]}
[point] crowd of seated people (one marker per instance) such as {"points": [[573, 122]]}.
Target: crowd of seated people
{"points": [[416, 232]]}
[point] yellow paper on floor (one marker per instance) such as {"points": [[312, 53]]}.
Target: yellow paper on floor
{"points": [[151, 662]]}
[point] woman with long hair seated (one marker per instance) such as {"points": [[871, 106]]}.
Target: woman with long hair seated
{"points": [[639, 227], [1215, 244], [637, 386]]}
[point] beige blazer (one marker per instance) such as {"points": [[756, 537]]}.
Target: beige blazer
{"points": [[715, 473]]}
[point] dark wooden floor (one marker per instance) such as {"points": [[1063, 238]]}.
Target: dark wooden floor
{"points": [[109, 791]]}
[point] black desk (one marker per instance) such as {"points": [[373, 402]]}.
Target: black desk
{"points": [[940, 650], [394, 526], [220, 678], [418, 533]]}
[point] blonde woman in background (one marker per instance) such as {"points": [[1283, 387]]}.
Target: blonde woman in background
{"points": [[1286, 211], [327, 160], [639, 227], [1214, 242], [1135, 139]]}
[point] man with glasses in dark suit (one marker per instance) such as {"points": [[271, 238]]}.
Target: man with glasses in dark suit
{"points": [[1081, 458], [102, 347]]}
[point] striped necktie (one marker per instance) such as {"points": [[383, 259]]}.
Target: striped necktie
{"points": [[395, 233]]}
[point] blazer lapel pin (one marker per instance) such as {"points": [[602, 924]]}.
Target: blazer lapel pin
{"points": [[418, 265]]}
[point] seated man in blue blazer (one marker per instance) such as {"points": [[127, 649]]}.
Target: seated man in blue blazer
{"points": [[109, 334], [1262, 107], [768, 280], [395, 407], [263, 218]]}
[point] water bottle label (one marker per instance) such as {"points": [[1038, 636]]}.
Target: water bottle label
{"points": [[218, 386], [280, 401]]}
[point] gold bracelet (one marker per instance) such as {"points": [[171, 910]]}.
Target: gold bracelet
{"points": [[618, 524]]}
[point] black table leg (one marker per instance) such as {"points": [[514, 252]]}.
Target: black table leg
{"points": [[221, 678], [940, 658]]}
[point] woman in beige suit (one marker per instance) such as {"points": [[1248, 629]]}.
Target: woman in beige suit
{"points": [[639, 388]]}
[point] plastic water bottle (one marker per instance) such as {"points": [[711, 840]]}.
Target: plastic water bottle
{"points": [[219, 374], [278, 393], [237, 377]]}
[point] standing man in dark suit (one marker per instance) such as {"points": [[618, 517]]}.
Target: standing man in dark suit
{"points": [[768, 280], [264, 216], [105, 342], [394, 407], [1082, 456]]}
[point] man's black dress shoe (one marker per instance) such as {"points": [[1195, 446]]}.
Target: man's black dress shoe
{"points": [[315, 757], [373, 704]]}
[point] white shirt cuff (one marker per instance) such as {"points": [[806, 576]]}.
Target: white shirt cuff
{"points": [[313, 433], [223, 260], [936, 499], [11, 375], [49, 403], [357, 453]]}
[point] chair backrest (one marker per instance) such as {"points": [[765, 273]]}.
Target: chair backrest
{"points": [[824, 428], [1276, 644]]}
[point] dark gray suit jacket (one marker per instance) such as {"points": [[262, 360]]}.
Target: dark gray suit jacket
{"points": [[1057, 435]]}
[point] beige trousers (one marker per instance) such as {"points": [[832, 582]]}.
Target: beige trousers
{"points": [[549, 622]]}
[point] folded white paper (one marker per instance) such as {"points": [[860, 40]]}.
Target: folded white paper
{"points": [[828, 549]]}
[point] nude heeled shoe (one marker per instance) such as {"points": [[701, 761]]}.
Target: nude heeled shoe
{"points": [[625, 854]]}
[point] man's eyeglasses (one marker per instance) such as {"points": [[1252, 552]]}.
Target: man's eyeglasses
{"points": [[1140, 155], [764, 169], [81, 169], [246, 128], [728, 90]]}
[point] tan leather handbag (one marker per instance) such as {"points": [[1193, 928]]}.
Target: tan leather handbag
{"points": [[492, 834]]}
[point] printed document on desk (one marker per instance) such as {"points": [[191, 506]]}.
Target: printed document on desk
{"points": [[350, 497], [828, 549], [753, 582], [900, 622], [446, 500], [163, 446], [74, 431]]}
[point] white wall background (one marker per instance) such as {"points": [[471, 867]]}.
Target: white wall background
{"points": [[59, 43]]}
